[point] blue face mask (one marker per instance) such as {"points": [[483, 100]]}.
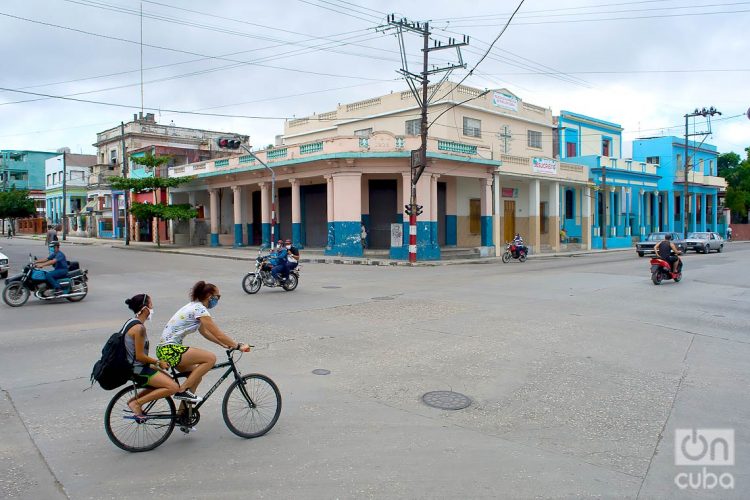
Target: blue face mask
{"points": [[51, 250], [213, 301]]}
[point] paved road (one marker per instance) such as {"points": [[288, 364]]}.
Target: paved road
{"points": [[579, 371]]}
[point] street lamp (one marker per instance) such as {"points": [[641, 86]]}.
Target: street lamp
{"points": [[64, 199]]}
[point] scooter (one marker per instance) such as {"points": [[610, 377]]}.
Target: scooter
{"points": [[19, 288], [662, 270]]}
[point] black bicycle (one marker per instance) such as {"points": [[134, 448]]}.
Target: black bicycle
{"points": [[251, 407]]}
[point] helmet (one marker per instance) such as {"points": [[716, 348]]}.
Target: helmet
{"points": [[668, 237]]}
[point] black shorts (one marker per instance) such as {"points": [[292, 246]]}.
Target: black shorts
{"points": [[142, 375]]}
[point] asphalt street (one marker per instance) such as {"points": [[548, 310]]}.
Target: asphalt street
{"points": [[579, 371]]}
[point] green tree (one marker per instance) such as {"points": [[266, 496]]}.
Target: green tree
{"points": [[736, 171], [160, 211], [15, 204]]}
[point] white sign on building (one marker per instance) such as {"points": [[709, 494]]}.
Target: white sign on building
{"points": [[544, 166], [505, 101], [397, 235]]}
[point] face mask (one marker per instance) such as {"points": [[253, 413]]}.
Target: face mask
{"points": [[150, 315], [288, 247], [212, 302]]}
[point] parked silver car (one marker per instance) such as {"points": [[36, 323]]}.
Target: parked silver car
{"points": [[704, 242], [647, 245], [4, 266]]}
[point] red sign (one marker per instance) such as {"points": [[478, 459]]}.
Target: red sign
{"points": [[508, 192]]}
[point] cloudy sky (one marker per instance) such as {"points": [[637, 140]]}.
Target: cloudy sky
{"points": [[643, 64]]}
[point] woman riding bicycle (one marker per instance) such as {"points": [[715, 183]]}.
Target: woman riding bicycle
{"points": [[155, 384], [192, 317]]}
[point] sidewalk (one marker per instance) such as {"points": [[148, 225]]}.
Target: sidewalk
{"points": [[250, 253]]}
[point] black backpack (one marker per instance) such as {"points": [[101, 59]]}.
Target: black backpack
{"points": [[114, 368]]}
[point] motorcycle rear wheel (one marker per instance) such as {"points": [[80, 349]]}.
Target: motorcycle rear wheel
{"points": [[506, 257], [251, 283], [15, 294], [291, 282], [83, 287], [656, 277], [522, 257]]}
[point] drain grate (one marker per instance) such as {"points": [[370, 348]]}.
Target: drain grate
{"points": [[321, 371], [446, 400], [331, 286]]}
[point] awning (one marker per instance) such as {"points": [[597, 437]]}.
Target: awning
{"points": [[91, 205]]}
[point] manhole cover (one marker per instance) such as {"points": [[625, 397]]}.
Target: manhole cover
{"points": [[446, 400], [382, 298], [331, 286], [321, 371]]}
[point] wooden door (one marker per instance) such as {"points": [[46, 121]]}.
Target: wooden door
{"points": [[509, 218]]}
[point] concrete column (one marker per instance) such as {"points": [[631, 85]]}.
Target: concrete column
{"points": [[347, 214], [247, 199], [595, 203], [451, 218], [433, 210], [553, 235], [485, 202], [656, 211], [427, 248], [693, 211], [214, 207], [586, 203], [170, 198], [405, 199], [329, 212], [611, 213], [366, 208], [640, 212], [714, 214], [498, 209], [670, 211], [237, 193], [703, 212], [265, 215], [534, 238], [191, 223], [296, 213]]}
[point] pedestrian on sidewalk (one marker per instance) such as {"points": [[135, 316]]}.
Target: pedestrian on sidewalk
{"points": [[10, 231], [729, 233], [51, 236]]}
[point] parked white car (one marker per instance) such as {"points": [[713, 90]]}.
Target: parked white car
{"points": [[4, 266], [704, 242]]}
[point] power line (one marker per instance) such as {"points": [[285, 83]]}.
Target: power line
{"points": [[170, 49], [485, 16]]}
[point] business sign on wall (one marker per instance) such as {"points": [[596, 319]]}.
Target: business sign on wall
{"points": [[505, 101], [544, 166], [510, 192]]}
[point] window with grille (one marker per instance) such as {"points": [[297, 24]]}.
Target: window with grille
{"points": [[413, 127], [652, 159], [534, 139], [472, 127]]}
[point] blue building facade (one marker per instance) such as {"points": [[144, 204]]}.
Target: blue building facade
{"points": [[704, 184], [627, 203], [24, 169]]}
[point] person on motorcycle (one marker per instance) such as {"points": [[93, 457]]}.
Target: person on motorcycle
{"points": [[665, 250], [279, 263], [518, 242], [292, 258], [57, 259]]}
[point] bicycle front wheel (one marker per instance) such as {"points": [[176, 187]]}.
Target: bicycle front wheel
{"points": [[251, 406], [133, 436]]}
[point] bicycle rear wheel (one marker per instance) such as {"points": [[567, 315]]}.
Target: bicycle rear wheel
{"points": [[132, 436], [251, 406]]}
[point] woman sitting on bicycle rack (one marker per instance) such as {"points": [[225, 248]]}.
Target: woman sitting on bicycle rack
{"points": [[192, 317], [155, 383]]}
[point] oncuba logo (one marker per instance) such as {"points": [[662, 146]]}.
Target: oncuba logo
{"points": [[704, 447]]}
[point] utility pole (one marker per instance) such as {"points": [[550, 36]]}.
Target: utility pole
{"points": [[65, 198], [706, 113], [126, 234], [419, 156]]}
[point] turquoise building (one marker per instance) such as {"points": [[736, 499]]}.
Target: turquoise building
{"points": [[24, 169], [628, 203], [704, 184]]}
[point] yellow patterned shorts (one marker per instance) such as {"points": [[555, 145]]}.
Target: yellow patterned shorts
{"points": [[171, 353]]}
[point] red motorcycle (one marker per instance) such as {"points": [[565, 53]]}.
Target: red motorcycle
{"points": [[514, 251], [662, 270]]}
